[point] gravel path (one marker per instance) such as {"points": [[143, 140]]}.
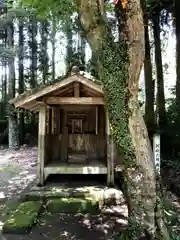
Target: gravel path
{"points": [[17, 170]]}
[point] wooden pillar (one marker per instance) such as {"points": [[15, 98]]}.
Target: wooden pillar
{"points": [[110, 154], [53, 120], [48, 121], [58, 120], [97, 120], [48, 135], [41, 144], [64, 143]]}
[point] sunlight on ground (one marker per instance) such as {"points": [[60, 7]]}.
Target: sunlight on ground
{"points": [[18, 169], [1, 225], [2, 195]]}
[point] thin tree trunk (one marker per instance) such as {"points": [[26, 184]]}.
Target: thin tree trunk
{"points": [[21, 79], [149, 83], [159, 71], [33, 53], [13, 125], [120, 69], [177, 25], [81, 47], [69, 48], [53, 37], [44, 54], [33, 40], [94, 65], [5, 73]]}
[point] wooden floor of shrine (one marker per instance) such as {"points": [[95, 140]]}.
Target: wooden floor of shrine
{"points": [[57, 167]]}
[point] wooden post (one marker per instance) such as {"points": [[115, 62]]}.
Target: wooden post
{"points": [[76, 89], [53, 120], [110, 154], [97, 120], [64, 143], [58, 120], [41, 144]]}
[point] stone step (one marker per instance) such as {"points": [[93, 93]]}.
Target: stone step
{"points": [[102, 194]]}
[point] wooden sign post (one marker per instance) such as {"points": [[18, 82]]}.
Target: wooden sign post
{"points": [[157, 152]]}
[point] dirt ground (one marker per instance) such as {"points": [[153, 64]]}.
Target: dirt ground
{"points": [[18, 172], [69, 227]]}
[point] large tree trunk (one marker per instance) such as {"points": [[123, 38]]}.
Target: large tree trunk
{"points": [[120, 67]]}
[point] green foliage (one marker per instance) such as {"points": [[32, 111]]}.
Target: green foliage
{"points": [[175, 236], [114, 81], [47, 8], [171, 143]]}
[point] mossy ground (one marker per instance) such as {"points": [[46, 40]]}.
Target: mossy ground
{"points": [[72, 205], [22, 219], [26, 215]]}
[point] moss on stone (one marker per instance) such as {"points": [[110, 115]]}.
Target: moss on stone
{"points": [[22, 219], [72, 205]]}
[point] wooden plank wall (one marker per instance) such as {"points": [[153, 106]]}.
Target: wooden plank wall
{"points": [[59, 142], [94, 146]]}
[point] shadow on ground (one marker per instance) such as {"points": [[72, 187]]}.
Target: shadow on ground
{"points": [[17, 171], [74, 227]]}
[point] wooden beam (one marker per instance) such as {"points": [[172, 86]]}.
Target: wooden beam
{"points": [[90, 91], [41, 144], [89, 83], [76, 89], [27, 98], [110, 153], [75, 100], [36, 106]]}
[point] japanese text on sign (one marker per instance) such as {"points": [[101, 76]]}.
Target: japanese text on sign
{"points": [[156, 151]]}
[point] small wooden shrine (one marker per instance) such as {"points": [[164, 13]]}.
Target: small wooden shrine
{"points": [[74, 132]]}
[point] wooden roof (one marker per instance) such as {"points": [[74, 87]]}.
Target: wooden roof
{"points": [[33, 99]]}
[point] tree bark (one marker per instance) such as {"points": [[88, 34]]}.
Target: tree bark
{"points": [[44, 55], [53, 42], [12, 118], [161, 111], [69, 47], [119, 69], [33, 48], [21, 78], [149, 83], [177, 25]]}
